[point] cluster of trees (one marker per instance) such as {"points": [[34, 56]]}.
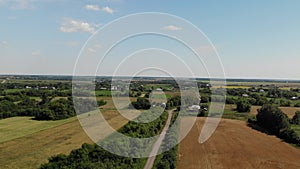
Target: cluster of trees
{"points": [[56, 110], [271, 95], [93, 156], [277, 93], [140, 130], [243, 106], [168, 159], [104, 83], [37, 85], [101, 103], [47, 108], [141, 103], [173, 102], [296, 118], [276, 122]]}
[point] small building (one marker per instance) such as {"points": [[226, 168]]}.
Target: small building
{"points": [[294, 98], [114, 88], [159, 89], [245, 95], [194, 108]]}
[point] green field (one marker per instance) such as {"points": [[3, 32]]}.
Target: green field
{"points": [[160, 96], [296, 128], [17, 127], [102, 93], [13, 90]]}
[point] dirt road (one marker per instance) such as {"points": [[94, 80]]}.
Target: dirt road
{"points": [[157, 144]]}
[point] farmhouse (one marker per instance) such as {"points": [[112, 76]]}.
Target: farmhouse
{"points": [[294, 98], [194, 108], [245, 95], [159, 89]]}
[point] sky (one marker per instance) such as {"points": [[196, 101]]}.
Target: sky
{"points": [[253, 39]]}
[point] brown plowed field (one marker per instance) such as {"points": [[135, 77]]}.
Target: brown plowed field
{"points": [[234, 145]]}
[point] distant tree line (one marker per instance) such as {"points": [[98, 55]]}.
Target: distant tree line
{"points": [[47, 108]]}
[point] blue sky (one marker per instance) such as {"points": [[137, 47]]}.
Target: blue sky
{"points": [[254, 39]]}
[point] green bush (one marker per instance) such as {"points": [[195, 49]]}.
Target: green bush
{"points": [[142, 103], [272, 119], [243, 106], [296, 118]]}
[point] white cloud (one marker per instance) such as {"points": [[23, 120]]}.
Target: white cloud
{"points": [[71, 25], [92, 7], [4, 43], [172, 28], [94, 48], [36, 53], [108, 10]]}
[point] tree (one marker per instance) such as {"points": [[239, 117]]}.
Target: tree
{"points": [[296, 118], [101, 103], [141, 103], [243, 106], [272, 119]]}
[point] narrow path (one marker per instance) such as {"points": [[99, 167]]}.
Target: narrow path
{"points": [[3, 81], [158, 142]]}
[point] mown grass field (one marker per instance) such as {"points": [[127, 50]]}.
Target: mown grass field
{"points": [[155, 86], [103, 93], [17, 127], [27, 143]]}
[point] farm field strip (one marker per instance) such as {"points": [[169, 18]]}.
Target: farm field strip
{"points": [[32, 150], [235, 145], [289, 111], [16, 127]]}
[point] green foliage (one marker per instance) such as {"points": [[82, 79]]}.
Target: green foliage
{"points": [[285, 103], [272, 119], [243, 105], [230, 100], [276, 122], [94, 156], [296, 118], [101, 103], [56, 110], [174, 102], [290, 136], [204, 99], [142, 103], [168, 159], [297, 104], [91, 157]]}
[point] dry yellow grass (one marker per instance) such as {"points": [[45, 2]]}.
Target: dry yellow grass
{"points": [[289, 111]]}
